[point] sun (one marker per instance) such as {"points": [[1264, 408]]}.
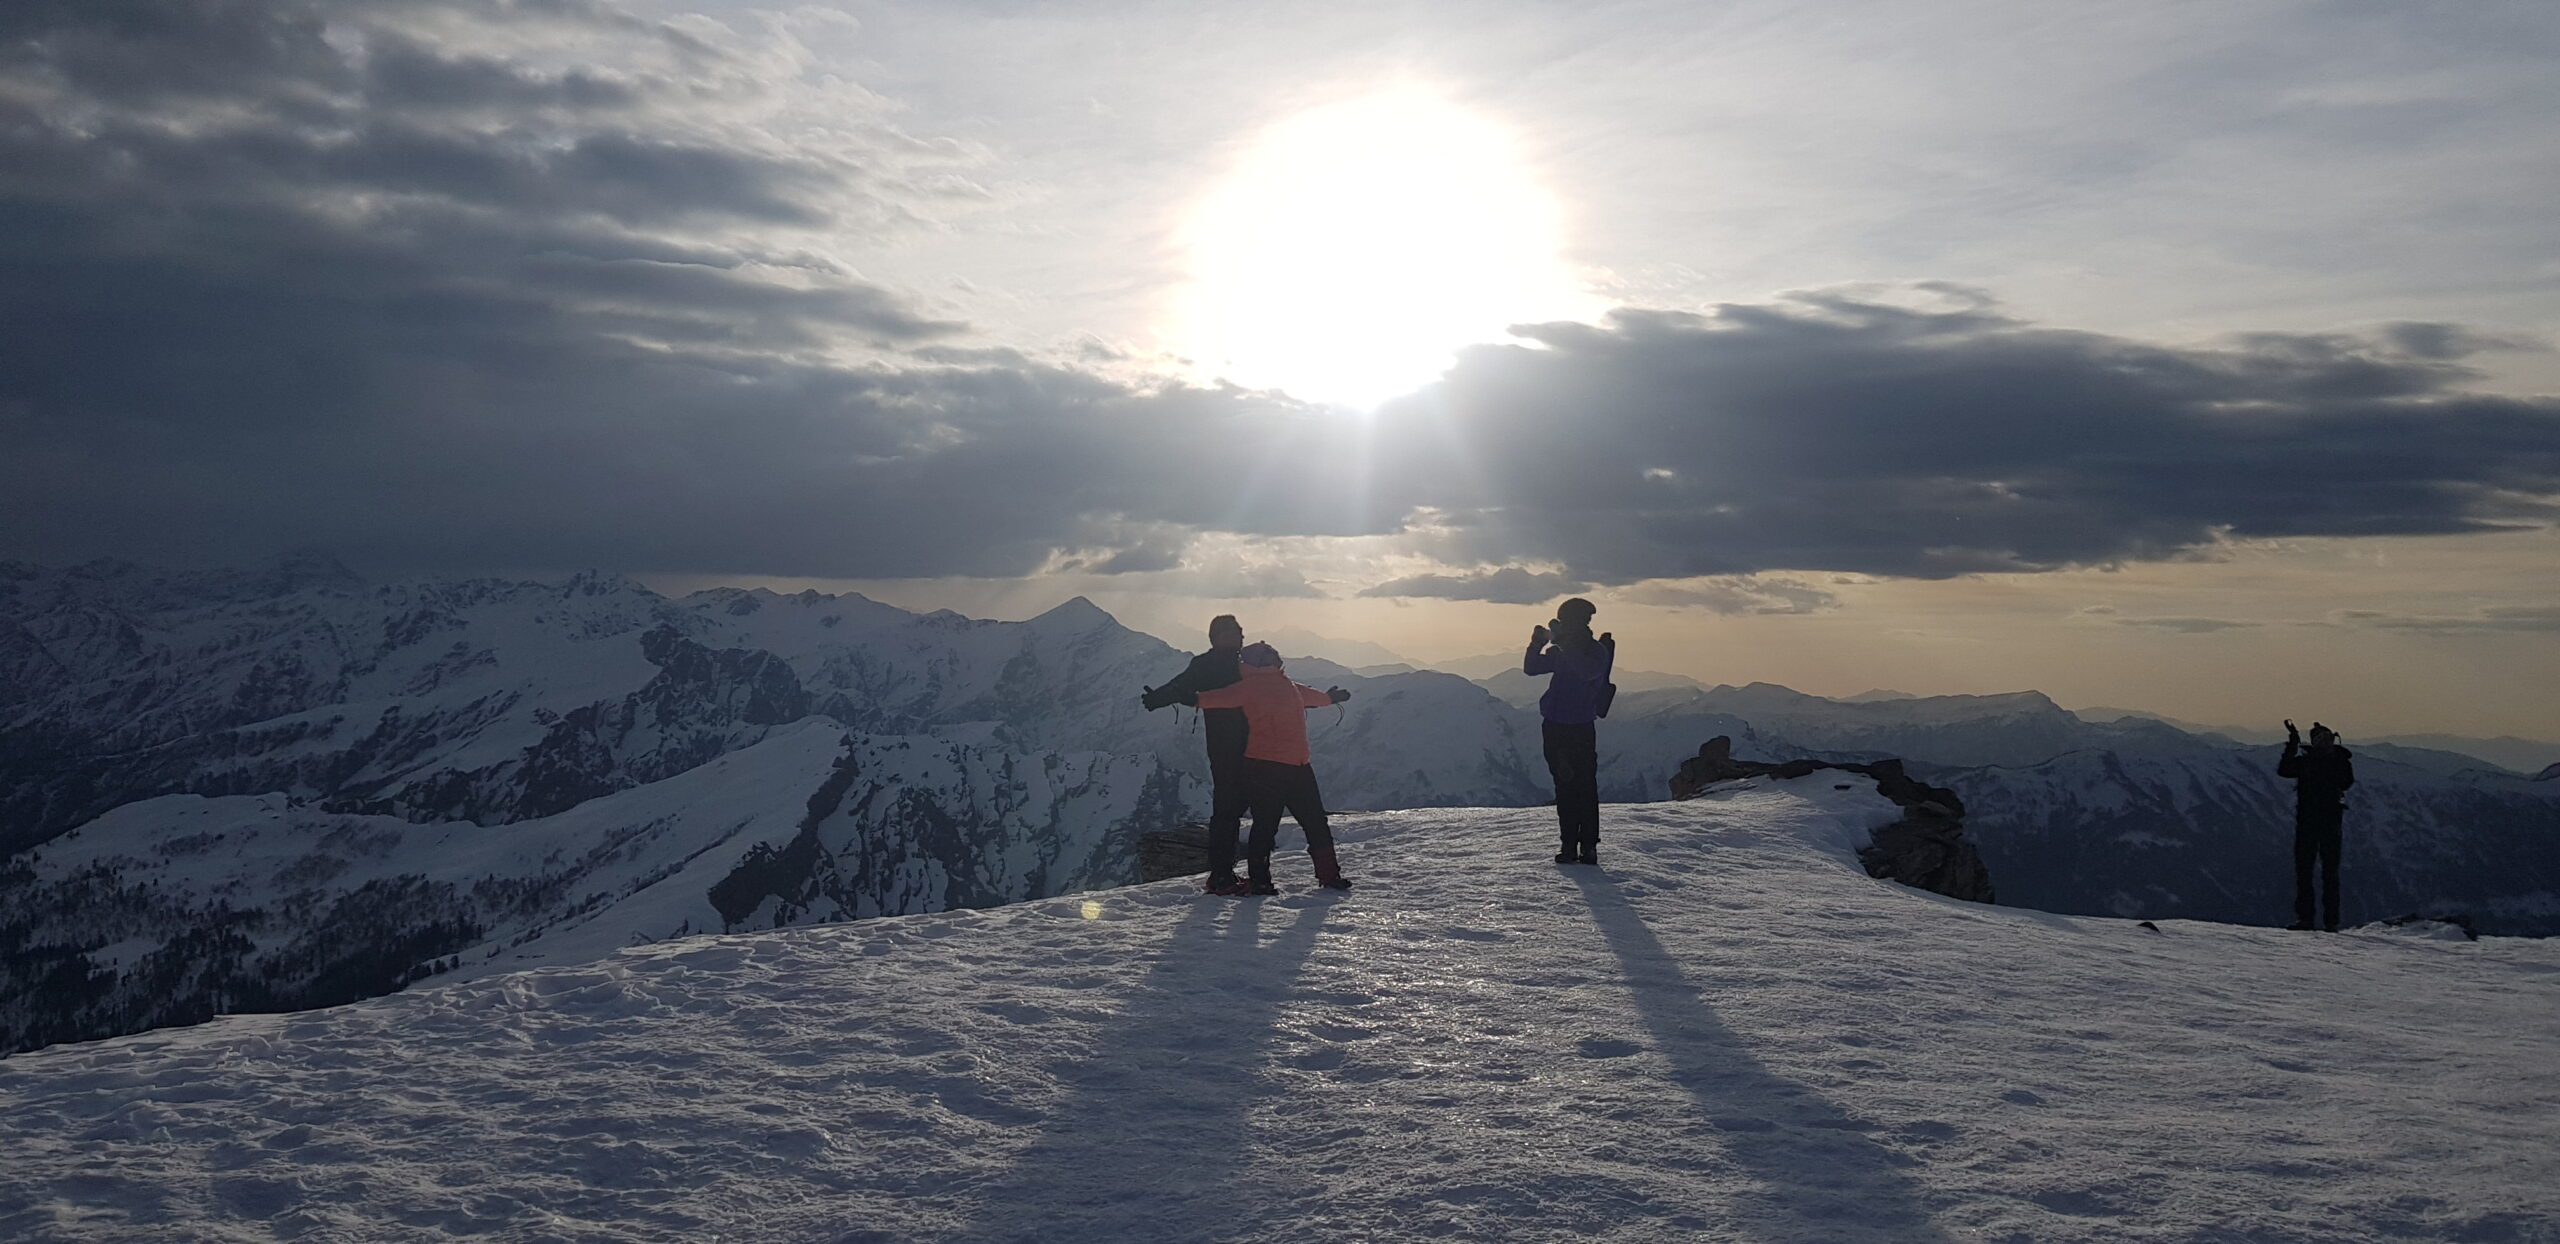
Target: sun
{"points": [[1355, 247]]}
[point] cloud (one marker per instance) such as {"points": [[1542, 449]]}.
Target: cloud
{"points": [[2510, 619], [1835, 432], [462, 285], [1510, 585], [1739, 594], [2187, 626]]}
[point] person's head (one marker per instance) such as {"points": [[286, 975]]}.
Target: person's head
{"points": [[2322, 736], [1573, 621], [1260, 655], [1225, 633]]}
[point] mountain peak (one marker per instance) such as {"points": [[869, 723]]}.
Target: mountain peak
{"points": [[1077, 614]]}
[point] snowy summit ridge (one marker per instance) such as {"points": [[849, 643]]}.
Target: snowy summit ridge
{"points": [[1725, 1032]]}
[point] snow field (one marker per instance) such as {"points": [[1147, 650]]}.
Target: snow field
{"points": [[1727, 1032]]}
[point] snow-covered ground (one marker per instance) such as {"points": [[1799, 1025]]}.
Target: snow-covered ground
{"points": [[1727, 1032]]}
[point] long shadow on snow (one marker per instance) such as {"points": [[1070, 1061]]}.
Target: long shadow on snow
{"points": [[1823, 1179], [1150, 1143]]}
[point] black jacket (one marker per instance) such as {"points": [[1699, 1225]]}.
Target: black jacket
{"points": [[1207, 672], [2320, 778]]}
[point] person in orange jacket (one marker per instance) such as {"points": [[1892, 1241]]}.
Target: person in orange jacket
{"points": [[1279, 775]]}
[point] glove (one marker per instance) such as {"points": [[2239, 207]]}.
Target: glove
{"points": [[2291, 735], [1537, 637], [1156, 698], [1609, 639], [1337, 694]]}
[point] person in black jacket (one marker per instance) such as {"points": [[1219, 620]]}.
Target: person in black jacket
{"points": [[2321, 777], [1226, 730]]}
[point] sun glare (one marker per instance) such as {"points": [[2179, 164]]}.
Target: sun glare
{"points": [[1356, 247]]}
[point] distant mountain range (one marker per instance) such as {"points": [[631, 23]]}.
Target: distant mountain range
{"points": [[288, 787], [2505, 750]]}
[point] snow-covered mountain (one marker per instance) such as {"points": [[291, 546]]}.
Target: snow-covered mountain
{"points": [[2134, 817], [1726, 1032], [441, 771], [2207, 835], [291, 786]]}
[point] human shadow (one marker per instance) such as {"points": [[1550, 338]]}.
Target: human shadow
{"points": [[1150, 1142], [1823, 1179]]}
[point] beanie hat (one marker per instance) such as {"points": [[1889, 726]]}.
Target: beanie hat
{"points": [[1260, 654]]}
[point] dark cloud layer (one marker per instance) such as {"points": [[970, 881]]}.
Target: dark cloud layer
{"points": [[521, 285]]}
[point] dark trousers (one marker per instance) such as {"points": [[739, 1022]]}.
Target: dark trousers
{"points": [[1229, 796], [1276, 788], [1573, 760], [2316, 837]]}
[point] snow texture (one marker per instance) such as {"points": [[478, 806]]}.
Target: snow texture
{"points": [[1726, 1032]]}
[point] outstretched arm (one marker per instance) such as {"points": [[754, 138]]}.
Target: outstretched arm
{"points": [[1309, 697], [1222, 697]]}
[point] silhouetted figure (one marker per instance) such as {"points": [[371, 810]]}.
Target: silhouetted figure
{"points": [[2321, 776], [1279, 773], [1577, 696], [1226, 730]]}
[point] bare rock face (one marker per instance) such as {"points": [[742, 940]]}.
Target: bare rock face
{"points": [[1926, 848]]}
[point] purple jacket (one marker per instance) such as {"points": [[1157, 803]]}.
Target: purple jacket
{"points": [[1581, 675]]}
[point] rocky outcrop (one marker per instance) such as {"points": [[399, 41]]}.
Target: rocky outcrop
{"points": [[1926, 849]]}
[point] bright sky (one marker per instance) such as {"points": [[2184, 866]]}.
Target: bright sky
{"points": [[2188, 357]]}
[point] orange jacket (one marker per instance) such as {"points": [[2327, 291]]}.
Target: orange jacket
{"points": [[1275, 712]]}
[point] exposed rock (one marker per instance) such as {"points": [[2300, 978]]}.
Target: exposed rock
{"points": [[1929, 852], [2450, 927], [1182, 852], [1926, 848]]}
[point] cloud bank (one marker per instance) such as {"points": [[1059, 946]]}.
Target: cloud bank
{"points": [[472, 285]]}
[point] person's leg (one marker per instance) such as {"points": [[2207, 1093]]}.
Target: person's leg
{"points": [[2331, 837], [1306, 805], [1558, 746], [1586, 771], [2306, 846], [1228, 800], [1269, 800]]}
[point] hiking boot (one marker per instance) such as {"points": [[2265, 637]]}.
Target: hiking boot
{"points": [[1260, 885], [1227, 885], [1590, 854], [2298, 926], [1328, 868]]}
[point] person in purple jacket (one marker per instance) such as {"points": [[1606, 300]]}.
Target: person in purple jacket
{"points": [[1578, 695]]}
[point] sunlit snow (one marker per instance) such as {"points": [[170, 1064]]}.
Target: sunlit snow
{"points": [[1726, 1032]]}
